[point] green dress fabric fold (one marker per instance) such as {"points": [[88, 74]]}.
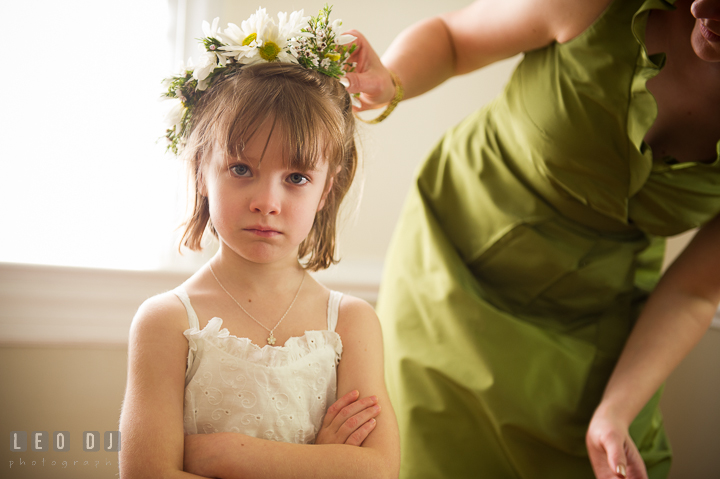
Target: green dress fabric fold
{"points": [[524, 254]]}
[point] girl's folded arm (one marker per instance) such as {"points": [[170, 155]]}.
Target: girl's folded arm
{"points": [[231, 455], [151, 422], [362, 368]]}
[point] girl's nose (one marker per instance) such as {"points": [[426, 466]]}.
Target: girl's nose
{"points": [[706, 9], [265, 200]]}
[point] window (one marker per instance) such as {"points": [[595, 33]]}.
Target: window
{"points": [[85, 181]]}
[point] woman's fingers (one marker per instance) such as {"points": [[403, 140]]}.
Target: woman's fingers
{"points": [[635, 464], [613, 453], [370, 78], [599, 461], [615, 450]]}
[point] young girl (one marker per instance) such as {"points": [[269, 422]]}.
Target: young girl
{"points": [[251, 348]]}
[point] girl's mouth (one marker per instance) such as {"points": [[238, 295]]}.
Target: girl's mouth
{"points": [[709, 34], [263, 231]]}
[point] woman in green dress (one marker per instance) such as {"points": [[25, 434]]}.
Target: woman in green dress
{"points": [[527, 329]]}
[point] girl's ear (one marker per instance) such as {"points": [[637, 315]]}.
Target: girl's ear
{"points": [[328, 189], [326, 193], [201, 186]]}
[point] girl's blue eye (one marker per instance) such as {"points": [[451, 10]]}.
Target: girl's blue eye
{"points": [[240, 170], [297, 179]]}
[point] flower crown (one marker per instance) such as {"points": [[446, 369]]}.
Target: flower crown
{"points": [[313, 42]]}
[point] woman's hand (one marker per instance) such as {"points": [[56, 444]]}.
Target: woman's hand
{"points": [[371, 79], [612, 452], [349, 420]]}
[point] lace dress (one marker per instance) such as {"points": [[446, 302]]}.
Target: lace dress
{"points": [[279, 393]]}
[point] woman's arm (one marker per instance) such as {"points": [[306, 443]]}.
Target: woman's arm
{"points": [[151, 422], [674, 319], [433, 50], [231, 455]]}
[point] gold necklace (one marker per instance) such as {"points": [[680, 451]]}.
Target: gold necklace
{"points": [[271, 337]]}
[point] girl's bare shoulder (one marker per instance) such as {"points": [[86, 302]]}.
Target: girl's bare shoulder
{"points": [[353, 313], [354, 306], [357, 316], [158, 316]]}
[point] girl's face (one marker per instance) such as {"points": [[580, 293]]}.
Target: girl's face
{"points": [[705, 37], [262, 210]]}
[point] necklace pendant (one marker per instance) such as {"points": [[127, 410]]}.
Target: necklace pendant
{"points": [[271, 339]]}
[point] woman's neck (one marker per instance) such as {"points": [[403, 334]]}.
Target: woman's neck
{"points": [[685, 90]]}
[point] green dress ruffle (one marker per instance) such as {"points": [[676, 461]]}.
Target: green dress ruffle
{"points": [[526, 249]]}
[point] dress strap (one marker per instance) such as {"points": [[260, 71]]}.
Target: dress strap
{"points": [[333, 308], [192, 317]]}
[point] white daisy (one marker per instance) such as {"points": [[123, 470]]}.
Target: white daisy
{"points": [[345, 39], [209, 60], [211, 31], [174, 116], [293, 28], [278, 38], [242, 41]]}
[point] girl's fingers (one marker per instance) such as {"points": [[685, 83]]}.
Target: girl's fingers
{"points": [[357, 437], [349, 420], [349, 412], [357, 421], [338, 406]]}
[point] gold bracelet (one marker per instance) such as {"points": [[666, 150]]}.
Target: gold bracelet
{"points": [[399, 92]]}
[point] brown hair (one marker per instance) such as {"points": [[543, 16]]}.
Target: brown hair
{"points": [[315, 120]]}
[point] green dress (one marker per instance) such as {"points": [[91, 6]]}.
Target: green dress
{"points": [[524, 254]]}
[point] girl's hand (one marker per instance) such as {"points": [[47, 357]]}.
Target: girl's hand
{"points": [[612, 452], [371, 79], [349, 420]]}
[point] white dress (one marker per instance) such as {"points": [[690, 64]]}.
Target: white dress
{"points": [[279, 393]]}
